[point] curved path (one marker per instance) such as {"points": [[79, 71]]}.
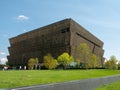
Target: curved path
{"points": [[87, 84]]}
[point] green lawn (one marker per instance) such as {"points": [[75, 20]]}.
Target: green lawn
{"points": [[11, 79], [112, 86]]}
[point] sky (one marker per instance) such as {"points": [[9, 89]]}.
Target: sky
{"points": [[100, 17]]}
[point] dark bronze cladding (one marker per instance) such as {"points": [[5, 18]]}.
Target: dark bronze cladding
{"points": [[56, 38]]}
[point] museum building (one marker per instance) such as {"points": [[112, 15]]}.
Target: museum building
{"points": [[56, 38]]}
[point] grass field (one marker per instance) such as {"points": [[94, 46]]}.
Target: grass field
{"points": [[112, 86], [11, 79]]}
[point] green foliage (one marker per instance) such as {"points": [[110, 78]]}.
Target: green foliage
{"points": [[50, 62], [118, 64], [36, 60], [78, 63], [112, 86], [32, 62], [94, 62], [107, 65], [6, 63], [84, 54], [111, 63], [65, 59]]}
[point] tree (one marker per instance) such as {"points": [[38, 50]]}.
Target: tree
{"points": [[36, 63], [65, 59], [32, 62], [107, 64], [84, 54], [6, 63], [111, 63], [50, 62], [94, 62], [119, 65], [78, 63]]}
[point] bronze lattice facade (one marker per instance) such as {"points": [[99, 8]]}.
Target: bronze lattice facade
{"points": [[56, 38]]}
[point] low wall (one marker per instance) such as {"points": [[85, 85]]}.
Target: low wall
{"points": [[87, 84]]}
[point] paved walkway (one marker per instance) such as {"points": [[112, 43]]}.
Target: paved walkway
{"points": [[87, 84]]}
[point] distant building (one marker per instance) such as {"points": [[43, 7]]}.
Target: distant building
{"points": [[56, 38]]}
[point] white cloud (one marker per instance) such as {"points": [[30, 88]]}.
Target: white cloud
{"points": [[25, 30], [2, 53], [3, 60], [22, 17]]}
